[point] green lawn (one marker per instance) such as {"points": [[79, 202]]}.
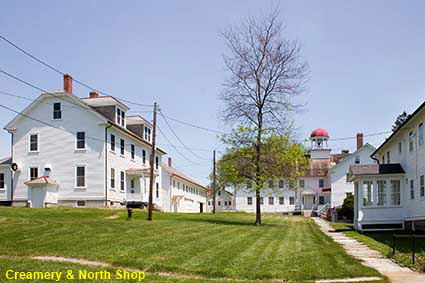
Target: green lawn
{"points": [[224, 245], [382, 242]]}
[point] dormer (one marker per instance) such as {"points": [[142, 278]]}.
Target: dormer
{"points": [[140, 126], [108, 106]]}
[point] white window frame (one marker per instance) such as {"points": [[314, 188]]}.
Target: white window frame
{"points": [[357, 159], [281, 184], [122, 181], [395, 193], [271, 201], [421, 134], [291, 200], [411, 142], [422, 185], [156, 162], [144, 155], [3, 183], [412, 189], [157, 190], [29, 172], [281, 200], [302, 183], [122, 147], [321, 183], [132, 152], [368, 193], [76, 177], [381, 192], [112, 178], [57, 111], [249, 201], [114, 143], [76, 141], [29, 142]]}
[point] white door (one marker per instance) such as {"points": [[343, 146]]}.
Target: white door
{"points": [[37, 197]]}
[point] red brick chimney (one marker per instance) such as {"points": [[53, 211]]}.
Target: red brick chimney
{"points": [[170, 163], [359, 140], [94, 94], [67, 83]]}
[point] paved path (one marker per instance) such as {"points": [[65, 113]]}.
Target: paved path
{"points": [[372, 258]]}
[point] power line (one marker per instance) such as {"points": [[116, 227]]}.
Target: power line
{"points": [[194, 126], [175, 148], [178, 138], [63, 73]]}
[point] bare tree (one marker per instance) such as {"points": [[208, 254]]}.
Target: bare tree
{"points": [[266, 74]]}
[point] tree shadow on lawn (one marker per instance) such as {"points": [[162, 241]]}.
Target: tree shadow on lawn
{"points": [[232, 222]]}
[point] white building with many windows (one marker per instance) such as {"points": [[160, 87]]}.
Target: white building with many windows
{"points": [[224, 200], [87, 152], [391, 194]]}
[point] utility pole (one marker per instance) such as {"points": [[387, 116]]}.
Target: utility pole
{"points": [[213, 184], [152, 164]]}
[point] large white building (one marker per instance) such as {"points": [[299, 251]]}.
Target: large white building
{"points": [[324, 186], [391, 194], [68, 151]]}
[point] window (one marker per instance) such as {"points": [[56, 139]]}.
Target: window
{"points": [[209, 202], [156, 162], [395, 192], [271, 200], [383, 159], [225, 203], [112, 178], [144, 156], [271, 184], [230, 202], [281, 200], [122, 147], [120, 117], [411, 139], [34, 142], [149, 134], [249, 185], [1, 180], [80, 176], [112, 142], [382, 193], [57, 112], [421, 134], [321, 183], [388, 157], [81, 140], [219, 193], [146, 133], [81, 203], [367, 193], [122, 181], [249, 200], [132, 184], [133, 151], [281, 184], [357, 159], [33, 173], [321, 200], [291, 200], [261, 200], [399, 147], [302, 183], [422, 184], [157, 190], [219, 203], [412, 189]]}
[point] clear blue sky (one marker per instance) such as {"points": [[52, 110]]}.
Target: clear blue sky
{"points": [[367, 60]]}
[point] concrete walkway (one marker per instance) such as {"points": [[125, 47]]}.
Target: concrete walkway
{"points": [[372, 258]]}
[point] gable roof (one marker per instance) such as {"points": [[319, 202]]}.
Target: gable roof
{"points": [[175, 172], [6, 161], [410, 117], [343, 160], [58, 94]]}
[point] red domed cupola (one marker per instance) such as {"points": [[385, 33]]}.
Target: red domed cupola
{"points": [[319, 133]]}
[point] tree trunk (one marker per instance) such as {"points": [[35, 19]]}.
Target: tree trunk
{"points": [[258, 170]]}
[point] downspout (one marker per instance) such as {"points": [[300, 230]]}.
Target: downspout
{"points": [[11, 171], [106, 164]]}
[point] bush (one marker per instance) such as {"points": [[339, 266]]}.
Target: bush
{"points": [[347, 209]]}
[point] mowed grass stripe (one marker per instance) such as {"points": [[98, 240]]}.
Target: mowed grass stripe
{"points": [[221, 245]]}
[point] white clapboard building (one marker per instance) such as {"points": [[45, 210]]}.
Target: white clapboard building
{"points": [[391, 194], [80, 152]]}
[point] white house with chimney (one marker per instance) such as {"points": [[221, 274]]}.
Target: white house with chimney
{"points": [[80, 152], [182, 194], [391, 194]]}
